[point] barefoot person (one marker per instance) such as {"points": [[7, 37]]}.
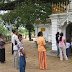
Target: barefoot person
{"points": [[2, 49], [22, 55], [42, 51], [62, 47]]}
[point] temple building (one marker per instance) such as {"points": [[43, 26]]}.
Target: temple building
{"points": [[60, 21]]}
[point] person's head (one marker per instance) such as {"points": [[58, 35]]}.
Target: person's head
{"points": [[40, 34], [20, 37], [57, 34], [1, 36], [12, 30], [61, 35], [16, 31]]}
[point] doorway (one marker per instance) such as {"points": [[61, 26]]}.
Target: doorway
{"points": [[69, 32]]}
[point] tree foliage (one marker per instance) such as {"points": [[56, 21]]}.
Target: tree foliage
{"points": [[2, 29], [10, 5], [26, 13]]}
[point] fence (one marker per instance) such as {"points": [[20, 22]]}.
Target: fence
{"points": [[7, 38]]}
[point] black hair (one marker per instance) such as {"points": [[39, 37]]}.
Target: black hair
{"points": [[15, 30], [57, 34], [61, 34], [19, 35], [40, 33], [12, 30]]}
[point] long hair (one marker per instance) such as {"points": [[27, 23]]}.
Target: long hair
{"points": [[39, 34], [61, 34], [57, 34]]}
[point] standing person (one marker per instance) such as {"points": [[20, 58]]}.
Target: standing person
{"points": [[2, 49], [67, 48], [22, 55], [57, 43], [12, 41], [62, 47], [15, 49], [71, 42], [42, 51]]}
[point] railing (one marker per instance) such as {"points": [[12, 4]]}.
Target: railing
{"points": [[60, 7], [7, 38]]}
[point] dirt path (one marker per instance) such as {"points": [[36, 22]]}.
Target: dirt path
{"points": [[54, 64]]}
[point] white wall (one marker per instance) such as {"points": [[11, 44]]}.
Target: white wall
{"points": [[47, 34]]}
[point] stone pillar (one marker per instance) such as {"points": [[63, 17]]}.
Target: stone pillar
{"points": [[54, 31], [46, 32]]}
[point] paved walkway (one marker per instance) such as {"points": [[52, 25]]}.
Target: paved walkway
{"points": [[54, 64]]}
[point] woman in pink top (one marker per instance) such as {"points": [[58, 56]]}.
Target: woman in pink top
{"points": [[62, 47]]}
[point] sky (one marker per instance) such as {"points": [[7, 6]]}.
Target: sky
{"points": [[3, 11]]}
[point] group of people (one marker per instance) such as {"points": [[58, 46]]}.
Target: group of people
{"points": [[18, 51], [63, 46]]}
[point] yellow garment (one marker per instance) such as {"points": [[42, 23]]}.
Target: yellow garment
{"points": [[42, 59], [42, 53], [41, 43]]}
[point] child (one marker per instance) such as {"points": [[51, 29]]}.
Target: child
{"points": [[67, 48], [22, 55]]}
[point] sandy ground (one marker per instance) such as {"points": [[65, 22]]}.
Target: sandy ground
{"points": [[54, 64]]}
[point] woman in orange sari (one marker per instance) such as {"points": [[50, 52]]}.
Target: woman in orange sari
{"points": [[42, 51]]}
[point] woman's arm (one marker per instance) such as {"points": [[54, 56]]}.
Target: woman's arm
{"points": [[65, 42], [44, 43], [45, 46]]}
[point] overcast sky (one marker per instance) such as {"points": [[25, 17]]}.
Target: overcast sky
{"points": [[3, 11]]}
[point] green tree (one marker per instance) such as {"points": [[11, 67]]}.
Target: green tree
{"points": [[27, 13], [2, 29]]}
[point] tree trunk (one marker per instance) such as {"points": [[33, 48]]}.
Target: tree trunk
{"points": [[29, 35]]}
